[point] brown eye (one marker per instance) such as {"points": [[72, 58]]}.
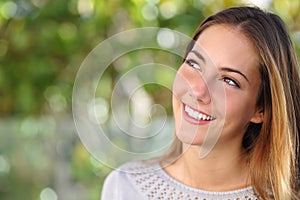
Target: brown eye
{"points": [[194, 64], [230, 82]]}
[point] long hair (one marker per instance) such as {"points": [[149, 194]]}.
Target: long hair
{"points": [[272, 147]]}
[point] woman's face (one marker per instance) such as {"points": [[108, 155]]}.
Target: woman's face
{"points": [[216, 88]]}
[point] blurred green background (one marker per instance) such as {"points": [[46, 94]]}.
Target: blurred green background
{"points": [[42, 45]]}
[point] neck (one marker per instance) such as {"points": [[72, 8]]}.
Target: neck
{"points": [[218, 171]]}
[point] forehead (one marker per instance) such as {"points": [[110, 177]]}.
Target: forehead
{"points": [[227, 46]]}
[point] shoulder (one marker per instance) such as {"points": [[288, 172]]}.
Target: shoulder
{"points": [[122, 182], [126, 171]]}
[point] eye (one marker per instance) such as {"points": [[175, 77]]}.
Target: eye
{"points": [[193, 63], [230, 82]]}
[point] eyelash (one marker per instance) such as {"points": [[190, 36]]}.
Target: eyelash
{"points": [[192, 62], [230, 82]]}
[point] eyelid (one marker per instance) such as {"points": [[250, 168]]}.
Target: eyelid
{"points": [[227, 69], [236, 83], [191, 61]]}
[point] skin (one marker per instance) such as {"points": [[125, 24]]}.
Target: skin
{"points": [[224, 86]]}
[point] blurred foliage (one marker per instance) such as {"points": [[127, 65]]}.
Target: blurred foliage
{"points": [[42, 44]]}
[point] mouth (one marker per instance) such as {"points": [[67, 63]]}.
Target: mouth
{"points": [[197, 115]]}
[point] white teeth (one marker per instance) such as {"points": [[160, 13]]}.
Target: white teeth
{"points": [[196, 115], [201, 117]]}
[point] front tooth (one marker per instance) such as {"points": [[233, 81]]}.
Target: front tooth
{"points": [[190, 112], [195, 114], [200, 116]]}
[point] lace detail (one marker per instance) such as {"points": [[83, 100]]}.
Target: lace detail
{"points": [[154, 183]]}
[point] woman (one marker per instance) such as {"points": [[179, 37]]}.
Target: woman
{"points": [[240, 72]]}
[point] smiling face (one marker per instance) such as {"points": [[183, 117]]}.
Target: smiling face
{"points": [[216, 88]]}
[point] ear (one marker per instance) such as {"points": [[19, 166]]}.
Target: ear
{"points": [[258, 116]]}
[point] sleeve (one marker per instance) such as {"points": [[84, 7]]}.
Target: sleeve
{"points": [[110, 187], [117, 186]]}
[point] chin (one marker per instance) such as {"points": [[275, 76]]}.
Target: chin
{"points": [[189, 139]]}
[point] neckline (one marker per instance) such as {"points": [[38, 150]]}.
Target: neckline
{"points": [[197, 190]]}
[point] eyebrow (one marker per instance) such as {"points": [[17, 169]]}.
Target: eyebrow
{"points": [[198, 55], [227, 69]]}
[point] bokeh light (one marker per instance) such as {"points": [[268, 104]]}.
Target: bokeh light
{"points": [[42, 45]]}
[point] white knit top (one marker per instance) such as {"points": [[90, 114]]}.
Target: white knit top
{"points": [[139, 181]]}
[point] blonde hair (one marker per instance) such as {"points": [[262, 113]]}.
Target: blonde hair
{"points": [[272, 147]]}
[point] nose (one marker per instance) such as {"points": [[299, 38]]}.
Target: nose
{"points": [[199, 88]]}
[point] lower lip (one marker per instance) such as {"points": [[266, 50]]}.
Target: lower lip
{"points": [[192, 120]]}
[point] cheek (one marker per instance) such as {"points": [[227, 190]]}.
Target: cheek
{"points": [[176, 110], [180, 84], [175, 104], [177, 91], [240, 108], [177, 85]]}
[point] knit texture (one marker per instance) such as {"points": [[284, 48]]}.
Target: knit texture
{"points": [[150, 181]]}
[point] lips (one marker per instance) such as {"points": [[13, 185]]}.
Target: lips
{"points": [[197, 116]]}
